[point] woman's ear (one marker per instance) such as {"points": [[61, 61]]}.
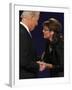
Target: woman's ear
{"points": [[52, 32]]}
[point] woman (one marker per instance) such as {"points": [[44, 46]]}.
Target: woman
{"points": [[54, 52]]}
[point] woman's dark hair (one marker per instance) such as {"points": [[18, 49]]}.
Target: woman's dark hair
{"points": [[53, 25]]}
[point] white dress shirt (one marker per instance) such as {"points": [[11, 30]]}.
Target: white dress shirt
{"points": [[26, 28]]}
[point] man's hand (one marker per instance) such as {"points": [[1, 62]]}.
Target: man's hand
{"points": [[42, 65]]}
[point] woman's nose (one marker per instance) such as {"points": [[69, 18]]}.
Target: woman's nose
{"points": [[43, 30]]}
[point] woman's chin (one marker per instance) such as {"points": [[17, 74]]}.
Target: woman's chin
{"points": [[45, 37]]}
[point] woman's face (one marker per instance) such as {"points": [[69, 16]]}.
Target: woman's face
{"points": [[47, 33]]}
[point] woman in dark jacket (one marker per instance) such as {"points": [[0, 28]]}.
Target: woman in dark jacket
{"points": [[54, 52]]}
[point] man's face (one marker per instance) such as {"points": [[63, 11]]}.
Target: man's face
{"points": [[34, 22]]}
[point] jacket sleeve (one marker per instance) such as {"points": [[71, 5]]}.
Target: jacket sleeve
{"points": [[60, 57], [27, 61]]}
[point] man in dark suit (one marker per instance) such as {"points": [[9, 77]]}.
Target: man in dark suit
{"points": [[28, 66]]}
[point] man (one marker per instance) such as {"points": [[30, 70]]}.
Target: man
{"points": [[28, 65]]}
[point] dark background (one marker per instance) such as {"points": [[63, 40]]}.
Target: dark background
{"points": [[37, 35]]}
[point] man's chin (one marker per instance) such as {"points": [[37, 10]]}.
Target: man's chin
{"points": [[32, 29]]}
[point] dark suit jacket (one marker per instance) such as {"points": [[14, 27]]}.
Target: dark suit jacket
{"points": [[54, 54], [28, 67]]}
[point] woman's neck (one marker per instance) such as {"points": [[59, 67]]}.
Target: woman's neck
{"points": [[51, 39]]}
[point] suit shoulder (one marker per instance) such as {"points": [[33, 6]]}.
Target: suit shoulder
{"points": [[22, 29]]}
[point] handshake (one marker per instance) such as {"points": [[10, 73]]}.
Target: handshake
{"points": [[44, 65]]}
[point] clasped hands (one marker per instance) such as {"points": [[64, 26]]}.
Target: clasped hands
{"points": [[44, 65]]}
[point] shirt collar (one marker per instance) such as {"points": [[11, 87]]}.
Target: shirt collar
{"points": [[26, 28]]}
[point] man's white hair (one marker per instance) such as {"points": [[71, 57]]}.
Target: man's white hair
{"points": [[29, 13]]}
